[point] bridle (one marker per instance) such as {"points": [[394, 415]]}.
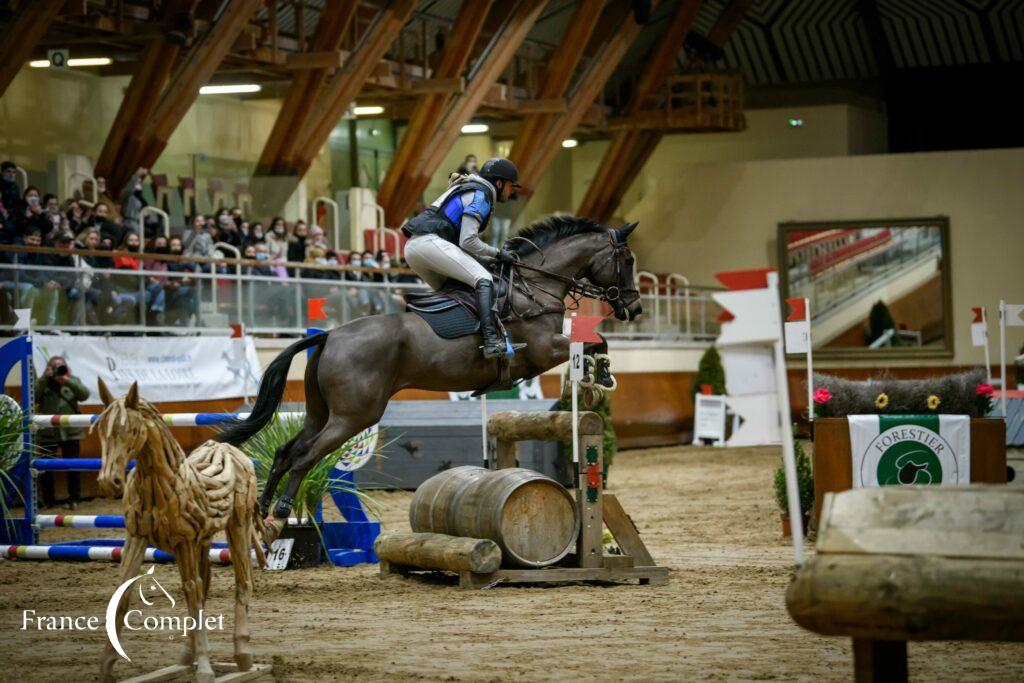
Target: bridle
{"points": [[577, 289]]}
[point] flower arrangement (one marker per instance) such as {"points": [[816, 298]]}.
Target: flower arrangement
{"points": [[965, 393]]}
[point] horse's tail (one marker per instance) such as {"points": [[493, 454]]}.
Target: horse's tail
{"points": [[269, 397]]}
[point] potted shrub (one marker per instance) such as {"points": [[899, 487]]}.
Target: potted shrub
{"points": [[11, 428], [805, 485], [308, 550]]}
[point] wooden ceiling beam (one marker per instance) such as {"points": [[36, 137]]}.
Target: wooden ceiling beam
{"points": [[423, 120], [21, 36], [584, 92], [341, 88], [620, 163], [565, 57], [306, 85], [194, 70], [485, 73]]}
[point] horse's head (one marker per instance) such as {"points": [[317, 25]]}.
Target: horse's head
{"points": [[123, 433], [613, 268]]}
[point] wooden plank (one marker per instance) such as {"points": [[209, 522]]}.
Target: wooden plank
{"points": [[988, 451], [966, 522], [625, 532], [439, 551], [255, 673], [331, 59], [176, 672], [656, 575], [553, 105], [506, 453], [437, 85], [22, 35]]}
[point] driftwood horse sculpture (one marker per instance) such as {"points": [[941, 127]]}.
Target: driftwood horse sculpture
{"points": [[355, 369], [178, 504]]}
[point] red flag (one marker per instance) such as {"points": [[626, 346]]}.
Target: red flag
{"points": [[315, 308], [583, 328], [237, 330], [756, 278], [799, 311], [978, 314]]}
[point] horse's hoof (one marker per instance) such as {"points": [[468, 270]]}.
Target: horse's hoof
{"points": [[243, 660], [204, 673], [272, 528]]}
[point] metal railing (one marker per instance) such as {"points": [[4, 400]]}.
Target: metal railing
{"points": [[207, 300]]}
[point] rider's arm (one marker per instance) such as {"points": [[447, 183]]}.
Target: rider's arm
{"points": [[469, 235]]}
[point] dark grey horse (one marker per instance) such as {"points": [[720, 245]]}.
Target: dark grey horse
{"points": [[355, 369]]}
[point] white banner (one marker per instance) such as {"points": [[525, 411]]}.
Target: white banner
{"points": [[166, 368], [893, 450]]}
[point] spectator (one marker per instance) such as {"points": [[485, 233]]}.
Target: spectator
{"points": [[273, 298], [277, 240], [10, 195], [126, 296], [72, 211], [197, 239], [227, 230], [132, 201], [58, 392], [60, 279], [256, 233], [315, 256], [244, 235], [297, 243], [92, 283], [33, 216], [101, 219], [51, 213], [23, 283], [468, 165], [317, 239], [181, 297]]}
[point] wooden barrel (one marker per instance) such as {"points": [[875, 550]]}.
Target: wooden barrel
{"points": [[531, 517]]}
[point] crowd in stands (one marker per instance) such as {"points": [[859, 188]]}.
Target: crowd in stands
{"points": [[168, 296]]}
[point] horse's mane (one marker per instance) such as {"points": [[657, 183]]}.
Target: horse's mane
{"points": [[552, 229]]}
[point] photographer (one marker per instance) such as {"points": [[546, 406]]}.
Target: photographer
{"points": [[58, 393]]}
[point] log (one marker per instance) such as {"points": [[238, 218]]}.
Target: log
{"points": [[553, 426], [438, 551], [916, 563]]}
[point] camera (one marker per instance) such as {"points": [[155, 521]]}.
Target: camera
{"points": [[60, 370]]}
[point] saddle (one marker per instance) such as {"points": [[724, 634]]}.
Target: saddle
{"points": [[451, 311]]}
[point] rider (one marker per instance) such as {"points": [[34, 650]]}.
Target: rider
{"points": [[445, 239]]}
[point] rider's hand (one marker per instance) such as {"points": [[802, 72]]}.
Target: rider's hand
{"points": [[506, 256]]}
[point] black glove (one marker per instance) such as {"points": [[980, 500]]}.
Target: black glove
{"points": [[506, 256]]}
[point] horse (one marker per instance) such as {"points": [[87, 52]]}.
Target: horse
{"points": [[178, 504], [353, 370]]}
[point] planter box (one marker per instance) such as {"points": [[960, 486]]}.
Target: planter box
{"points": [[832, 461]]}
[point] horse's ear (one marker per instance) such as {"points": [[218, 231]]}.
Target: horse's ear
{"points": [[105, 394], [622, 234], [131, 399]]}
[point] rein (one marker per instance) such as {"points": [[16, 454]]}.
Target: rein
{"points": [[577, 289]]}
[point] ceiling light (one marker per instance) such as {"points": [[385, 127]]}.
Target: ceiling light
{"points": [[796, 122], [569, 143], [368, 110], [471, 128], [230, 89], [81, 61]]}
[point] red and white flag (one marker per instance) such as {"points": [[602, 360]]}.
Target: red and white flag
{"points": [[979, 327], [797, 327]]}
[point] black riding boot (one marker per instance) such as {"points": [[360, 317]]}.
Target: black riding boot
{"points": [[494, 345]]}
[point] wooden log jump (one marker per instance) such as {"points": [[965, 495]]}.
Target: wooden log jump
{"points": [[453, 553], [903, 563], [595, 510]]}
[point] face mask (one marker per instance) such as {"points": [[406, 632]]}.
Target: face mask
{"points": [[279, 230], [53, 209], [385, 263], [32, 200], [321, 261], [262, 256], [332, 261], [225, 220], [355, 262], [258, 234]]}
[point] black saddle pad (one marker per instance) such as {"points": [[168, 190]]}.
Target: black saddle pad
{"points": [[448, 318], [453, 291]]}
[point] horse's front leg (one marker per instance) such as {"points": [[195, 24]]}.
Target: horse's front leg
{"points": [[599, 364], [132, 555]]}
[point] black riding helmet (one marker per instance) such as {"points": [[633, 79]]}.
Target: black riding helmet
{"points": [[500, 168]]}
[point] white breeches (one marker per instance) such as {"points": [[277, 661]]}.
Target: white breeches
{"points": [[435, 259]]}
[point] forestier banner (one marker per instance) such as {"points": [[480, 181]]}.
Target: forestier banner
{"points": [[166, 368], [889, 450]]}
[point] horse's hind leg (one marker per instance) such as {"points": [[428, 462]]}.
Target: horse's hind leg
{"points": [[284, 458]]}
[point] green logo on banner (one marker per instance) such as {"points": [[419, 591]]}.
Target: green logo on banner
{"points": [[909, 462]]}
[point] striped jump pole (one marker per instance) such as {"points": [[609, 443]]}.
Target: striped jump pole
{"points": [[100, 521], [170, 419], [95, 553]]}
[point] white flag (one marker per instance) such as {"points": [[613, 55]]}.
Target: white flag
{"points": [[1014, 315], [798, 333], [979, 334], [23, 318]]}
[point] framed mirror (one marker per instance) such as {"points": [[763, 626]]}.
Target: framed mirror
{"points": [[877, 288]]}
